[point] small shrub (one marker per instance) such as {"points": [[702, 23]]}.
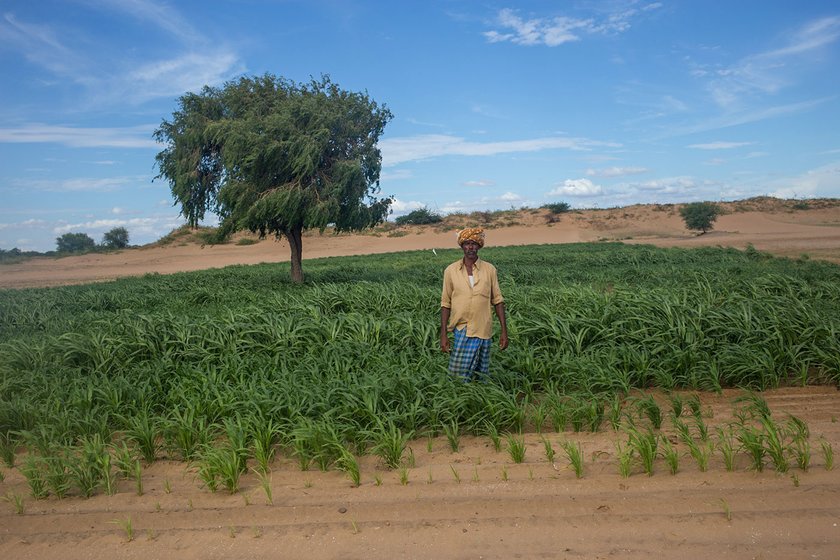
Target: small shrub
{"points": [[421, 216]]}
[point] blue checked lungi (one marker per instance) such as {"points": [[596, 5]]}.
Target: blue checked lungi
{"points": [[470, 355]]}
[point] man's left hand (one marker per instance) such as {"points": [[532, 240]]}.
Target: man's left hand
{"points": [[503, 341]]}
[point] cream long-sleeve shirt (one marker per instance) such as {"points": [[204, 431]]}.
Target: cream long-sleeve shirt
{"points": [[471, 306]]}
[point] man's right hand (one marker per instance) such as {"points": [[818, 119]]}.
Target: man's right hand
{"points": [[444, 343]]}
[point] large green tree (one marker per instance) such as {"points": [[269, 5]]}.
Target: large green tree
{"points": [[276, 157], [700, 215]]}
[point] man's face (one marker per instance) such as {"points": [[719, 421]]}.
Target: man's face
{"points": [[470, 249]]}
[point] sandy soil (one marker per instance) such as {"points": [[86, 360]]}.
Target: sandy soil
{"points": [[774, 228], [541, 511]]}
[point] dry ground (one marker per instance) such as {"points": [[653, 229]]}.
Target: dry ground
{"points": [[540, 511], [768, 225]]}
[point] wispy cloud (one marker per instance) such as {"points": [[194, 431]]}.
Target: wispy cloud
{"points": [[555, 31], [720, 145], [158, 14], [769, 71], [479, 183], [415, 148], [736, 118], [126, 137], [107, 184], [616, 171], [108, 74]]}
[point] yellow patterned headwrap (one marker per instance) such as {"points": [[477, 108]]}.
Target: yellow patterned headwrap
{"points": [[471, 234]]}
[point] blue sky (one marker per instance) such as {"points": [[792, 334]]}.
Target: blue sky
{"points": [[496, 104]]}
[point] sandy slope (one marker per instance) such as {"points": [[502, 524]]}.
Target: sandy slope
{"points": [[780, 231], [540, 511]]}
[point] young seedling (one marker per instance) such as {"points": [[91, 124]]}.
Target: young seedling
{"points": [[167, 486], [538, 415], [349, 464], [549, 451], [574, 453], [17, 502], [377, 479], [430, 479], [727, 511], [493, 433], [677, 403], [516, 448], [403, 476], [726, 445], [33, 470], [752, 440], [475, 474], [828, 454], [645, 445], [775, 446], [265, 483], [126, 526], [504, 474], [453, 435], [138, 478], [649, 408], [671, 455], [625, 459], [455, 474], [701, 452]]}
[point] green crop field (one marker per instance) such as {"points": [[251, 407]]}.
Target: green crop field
{"points": [[226, 367]]}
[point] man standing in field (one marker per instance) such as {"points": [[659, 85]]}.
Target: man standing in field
{"points": [[470, 289]]}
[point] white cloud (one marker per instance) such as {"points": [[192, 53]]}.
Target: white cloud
{"points": [[414, 148], [510, 197], [576, 187], [667, 185], [404, 207], [820, 182], [720, 145], [74, 137], [616, 171]]}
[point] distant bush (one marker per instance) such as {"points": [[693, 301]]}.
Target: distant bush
{"points": [[419, 217], [117, 238], [557, 207]]}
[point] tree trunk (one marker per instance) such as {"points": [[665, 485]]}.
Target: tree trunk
{"points": [[296, 245]]}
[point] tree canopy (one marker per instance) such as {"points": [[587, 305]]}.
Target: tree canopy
{"points": [[276, 157], [700, 215], [75, 243]]}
